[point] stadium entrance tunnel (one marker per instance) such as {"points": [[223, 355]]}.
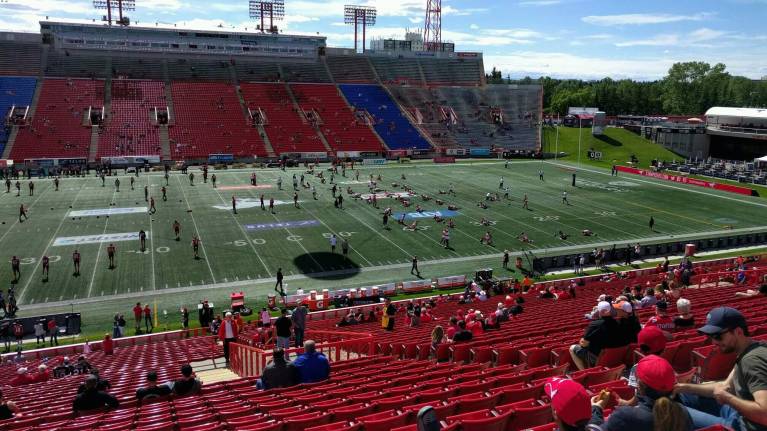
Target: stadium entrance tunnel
{"points": [[326, 266]]}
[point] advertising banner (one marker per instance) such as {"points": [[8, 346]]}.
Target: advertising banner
{"points": [[692, 181]]}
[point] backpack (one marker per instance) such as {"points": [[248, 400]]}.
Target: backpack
{"points": [[18, 330]]}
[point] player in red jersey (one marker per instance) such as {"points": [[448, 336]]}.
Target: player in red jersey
{"points": [[22, 213], [152, 208], [271, 205], [164, 194], [177, 229]]}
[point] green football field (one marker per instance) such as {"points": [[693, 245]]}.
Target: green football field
{"points": [[242, 252]]}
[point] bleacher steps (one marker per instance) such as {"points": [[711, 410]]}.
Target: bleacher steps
{"points": [[169, 102], [424, 134], [35, 98], [370, 126], [94, 148], [233, 75], [300, 112], [261, 131], [420, 72], [9, 144], [267, 143], [375, 72], [164, 141], [327, 69]]}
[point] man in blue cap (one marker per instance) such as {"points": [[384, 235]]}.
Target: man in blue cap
{"points": [[740, 401]]}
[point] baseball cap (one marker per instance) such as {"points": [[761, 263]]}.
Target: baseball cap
{"points": [[624, 306], [569, 400], [661, 305], [721, 319], [604, 307], [653, 338], [656, 373]]}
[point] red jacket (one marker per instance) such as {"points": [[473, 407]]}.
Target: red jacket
{"points": [[22, 379], [222, 329]]}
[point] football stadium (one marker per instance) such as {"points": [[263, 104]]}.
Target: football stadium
{"points": [[256, 230]]}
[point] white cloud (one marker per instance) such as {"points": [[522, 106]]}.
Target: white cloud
{"points": [[643, 18], [659, 40], [474, 27], [540, 2]]}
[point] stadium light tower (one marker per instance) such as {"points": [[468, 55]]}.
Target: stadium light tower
{"points": [[365, 15], [274, 9], [121, 5], [432, 31]]}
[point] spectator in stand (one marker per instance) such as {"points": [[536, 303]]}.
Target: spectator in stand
{"points": [[42, 374], [107, 345], [83, 366], [91, 398], [685, 319], [740, 401], [7, 408], [265, 318], [279, 373], [602, 332], [283, 326], [649, 298], [101, 385], [390, 311], [570, 404], [751, 293], [227, 332], [64, 369], [453, 328], [651, 341], [188, 384], [463, 334], [22, 378], [152, 389], [312, 366], [437, 337], [655, 409], [475, 324], [299, 323], [661, 319], [137, 312]]}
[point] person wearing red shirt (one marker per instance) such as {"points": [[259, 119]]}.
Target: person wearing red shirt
{"points": [[137, 310], [53, 331], [453, 328], [661, 318], [148, 318], [22, 378], [107, 346], [227, 332]]}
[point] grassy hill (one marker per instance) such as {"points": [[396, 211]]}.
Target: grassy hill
{"points": [[617, 146]]}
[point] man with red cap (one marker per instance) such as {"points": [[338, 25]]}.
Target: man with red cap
{"points": [[571, 405], [655, 410], [740, 401], [651, 341]]}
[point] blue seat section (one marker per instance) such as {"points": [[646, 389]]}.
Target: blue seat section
{"points": [[13, 91], [390, 123]]}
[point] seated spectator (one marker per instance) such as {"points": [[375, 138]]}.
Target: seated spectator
{"points": [[437, 337], [602, 332], [101, 385], [517, 308], [188, 384], [740, 401], [462, 334], [453, 328], [649, 298], [655, 410], [475, 324], [685, 319], [312, 366], [7, 408], [108, 345], [152, 389], [82, 366], [751, 293], [651, 341], [661, 318], [64, 369], [628, 323], [42, 374], [22, 378], [570, 404], [278, 373], [91, 398]]}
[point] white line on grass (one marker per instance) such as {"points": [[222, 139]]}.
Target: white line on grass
{"points": [[29, 207], [194, 223], [98, 253], [247, 238], [151, 237], [47, 247], [661, 184]]}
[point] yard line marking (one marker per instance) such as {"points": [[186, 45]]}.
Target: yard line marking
{"points": [[98, 253], [10, 228], [661, 184], [151, 240], [405, 265], [247, 238], [194, 223], [47, 247]]}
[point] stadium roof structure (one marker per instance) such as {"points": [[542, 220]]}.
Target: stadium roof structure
{"points": [[755, 113]]}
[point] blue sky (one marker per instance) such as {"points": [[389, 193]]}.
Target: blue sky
{"points": [[561, 38]]}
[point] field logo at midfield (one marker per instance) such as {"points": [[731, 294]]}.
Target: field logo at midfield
{"points": [[623, 184], [108, 211], [97, 239], [385, 196], [426, 214], [282, 225], [246, 203]]}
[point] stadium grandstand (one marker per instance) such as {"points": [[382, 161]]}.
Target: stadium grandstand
{"points": [[202, 128]]}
